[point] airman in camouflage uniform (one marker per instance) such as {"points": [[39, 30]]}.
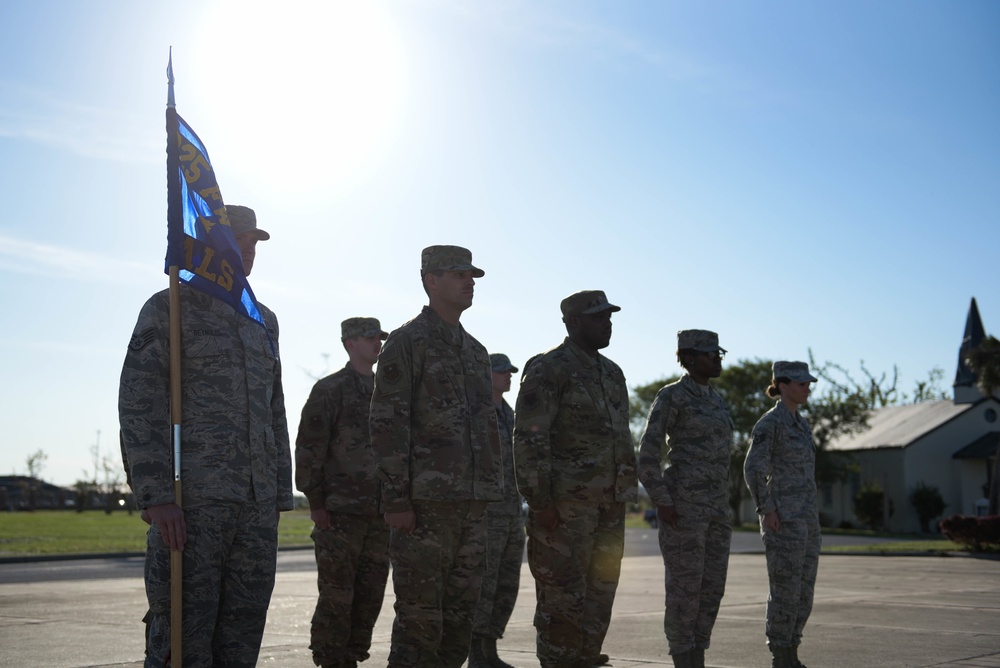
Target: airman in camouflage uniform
{"points": [[575, 467], [691, 494], [780, 470], [335, 470], [236, 467], [505, 540], [437, 454]]}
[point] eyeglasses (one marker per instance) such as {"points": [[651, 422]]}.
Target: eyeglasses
{"points": [[715, 354]]}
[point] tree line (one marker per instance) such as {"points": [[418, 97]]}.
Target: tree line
{"points": [[101, 488], [839, 406]]}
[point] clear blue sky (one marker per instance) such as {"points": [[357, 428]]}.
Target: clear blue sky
{"points": [[793, 175]]}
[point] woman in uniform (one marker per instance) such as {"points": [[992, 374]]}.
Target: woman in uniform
{"points": [[690, 423], [780, 470]]}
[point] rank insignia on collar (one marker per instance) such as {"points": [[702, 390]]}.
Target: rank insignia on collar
{"points": [[141, 339]]}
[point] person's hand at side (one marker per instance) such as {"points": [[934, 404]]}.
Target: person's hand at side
{"points": [[169, 519], [405, 521], [547, 518], [668, 515]]}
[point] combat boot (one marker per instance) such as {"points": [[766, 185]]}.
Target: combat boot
{"points": [[490, 652], [697, 658], [683, 660], [477, 658], [795, 657], [781, 657]]}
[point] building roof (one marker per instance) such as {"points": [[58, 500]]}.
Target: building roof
{"points": [[15, 481], [899, 426], [983, 447]]}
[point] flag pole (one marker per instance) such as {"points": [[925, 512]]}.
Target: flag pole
{"points": [[175, 227]]}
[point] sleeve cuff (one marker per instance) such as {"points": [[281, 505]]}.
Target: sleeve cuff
{"points": [[766, 508], [316, 501]]}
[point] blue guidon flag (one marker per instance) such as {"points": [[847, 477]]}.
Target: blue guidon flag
{"points": [[200, 241]]}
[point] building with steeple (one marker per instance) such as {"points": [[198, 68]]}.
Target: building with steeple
{"points": [[950, 445], [966, 391]]}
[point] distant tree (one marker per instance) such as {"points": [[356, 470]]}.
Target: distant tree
{"points": [[844, 404], [88, 489], [111, 486], [84, 490], [872, 392], [930, 389], [104, 487], [840, 405], [984, 359], [878, 391], [869, 505], [742, 386], [35, 462], [928, 503], [321, 374]]}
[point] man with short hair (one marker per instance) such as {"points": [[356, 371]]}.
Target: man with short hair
{"points": [[505, 538], [437, 455], [576, 468], [335, 470], [237, 468]]}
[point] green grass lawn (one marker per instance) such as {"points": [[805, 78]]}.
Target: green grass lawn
{"points": [[48, 532], [902, 546], [52, 532], [894, 543]]}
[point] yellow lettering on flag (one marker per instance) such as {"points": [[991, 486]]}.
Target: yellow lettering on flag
{"points": [[206, 223], [188, 253], [225, 280], [189, 154], [222, 215], [211, 193], [205, 262]]}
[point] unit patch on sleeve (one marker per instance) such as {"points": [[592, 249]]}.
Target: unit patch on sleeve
{"points": [[392, 373]]}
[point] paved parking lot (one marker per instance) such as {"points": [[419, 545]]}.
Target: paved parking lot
{"points": [[869, 611]]}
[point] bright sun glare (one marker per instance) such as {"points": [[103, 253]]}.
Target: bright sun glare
{"points": [[323, 83]]}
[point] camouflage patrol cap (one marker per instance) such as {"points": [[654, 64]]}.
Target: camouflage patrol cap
{"points": [[797, 371], [500, 363], [448, 258], [586, 302], [701, 340], [361, 327], [243, 219]]}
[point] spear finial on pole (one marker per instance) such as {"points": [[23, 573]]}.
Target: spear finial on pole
{"points": [[170, 79]]}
